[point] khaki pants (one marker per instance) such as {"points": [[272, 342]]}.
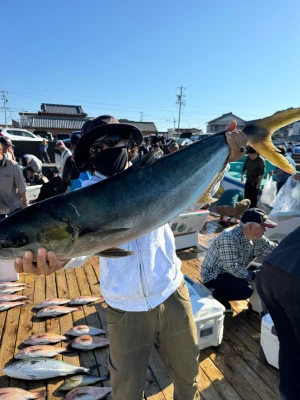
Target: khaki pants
{"points": [[132, 336], [234, 211]]}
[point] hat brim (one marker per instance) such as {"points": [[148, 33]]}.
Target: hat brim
{"points": [[84, 144], [268, 224]]}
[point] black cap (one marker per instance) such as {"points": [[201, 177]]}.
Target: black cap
{"points": [[259, 216], [6, 141]]}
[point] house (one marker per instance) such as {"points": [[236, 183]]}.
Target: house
{"points": [[60, 118], [220, 123], [56, 118]]}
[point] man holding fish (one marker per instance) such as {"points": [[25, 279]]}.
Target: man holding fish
{"points": [[148, 301]]}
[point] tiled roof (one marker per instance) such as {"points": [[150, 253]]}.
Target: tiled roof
{"points": [[226, 115], [60, 123], [142, 126], [61, 109]]}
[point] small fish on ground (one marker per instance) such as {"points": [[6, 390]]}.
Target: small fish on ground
{"points": [[12, 284], [81, 330], [43, 368], [88, 342], [13, 297], [52, 302], [6, 305], [54, 311], [88, 393], [45, 338], [81, 300], [10, 393], [11, 290], [75, 381], [40, 350]]}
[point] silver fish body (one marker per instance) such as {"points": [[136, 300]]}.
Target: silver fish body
{"points": [[42, 350], [51, 302], [44, 338], [6, 305], [13, 297], [54, 311], [10, 393], [81, 300], [88, 342], [75, 381], [81, 330], [117, 210], [42, 368], [88, 393], [11, 284], [11, 290]]}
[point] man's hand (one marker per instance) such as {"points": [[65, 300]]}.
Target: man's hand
{"points": [[46, 264], [237, 142]]}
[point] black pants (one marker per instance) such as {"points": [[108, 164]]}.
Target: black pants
{"points": [[228, 287], [251, 193], [280, 292]]}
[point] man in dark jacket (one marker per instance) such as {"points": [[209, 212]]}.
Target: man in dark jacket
{"points": [[256, 168], [52, 188], [278, 284]]}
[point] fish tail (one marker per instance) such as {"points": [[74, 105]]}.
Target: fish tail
{"points": [[259, 134]]}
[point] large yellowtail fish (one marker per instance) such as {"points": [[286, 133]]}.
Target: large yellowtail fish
{"points": [[100, 218]]}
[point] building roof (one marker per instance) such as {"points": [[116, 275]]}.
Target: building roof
{"points": [[61, 109], [56, 122], [142, 126], [226, 115]]}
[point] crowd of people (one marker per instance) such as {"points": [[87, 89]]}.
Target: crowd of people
{"points": [[150, 303]]}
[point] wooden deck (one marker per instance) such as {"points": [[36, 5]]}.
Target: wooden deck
{"points": [[232, 371]]}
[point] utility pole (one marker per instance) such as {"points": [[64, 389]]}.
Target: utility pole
{"points": [[141, 116], [174, 120], [181, 103], [3, 92]]}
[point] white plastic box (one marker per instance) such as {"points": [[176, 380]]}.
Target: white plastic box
{"points": [[186, 227], [208, 314], [7, 271], [269, 341]]}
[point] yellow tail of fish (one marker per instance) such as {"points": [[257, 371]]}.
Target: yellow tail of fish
{"points": [[260, 132]]}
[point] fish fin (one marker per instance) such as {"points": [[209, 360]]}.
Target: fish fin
{"points": [[259, 134], [269, 151], [206, 196], [115, 252], [280, 119]]}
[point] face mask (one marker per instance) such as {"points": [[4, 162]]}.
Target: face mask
{"points": [[110, 161]]}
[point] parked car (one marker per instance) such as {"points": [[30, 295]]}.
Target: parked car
{"points": [[44, 134], [19, 134]]}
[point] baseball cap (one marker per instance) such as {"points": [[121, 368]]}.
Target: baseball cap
{"points": [[259, 216], [60, 143], [6, 141]]}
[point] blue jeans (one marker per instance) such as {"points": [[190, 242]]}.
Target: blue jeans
{"points": [[228, 287], [280, 292]]}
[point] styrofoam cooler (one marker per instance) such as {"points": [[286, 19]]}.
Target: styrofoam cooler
{"points": [[186, 227], [208, 314], [7, 271], [269, 341]]}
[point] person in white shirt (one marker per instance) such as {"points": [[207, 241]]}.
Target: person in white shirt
{"points": [[61, 155], [147, 299]]}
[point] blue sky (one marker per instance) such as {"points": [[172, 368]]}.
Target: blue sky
{"points": [[128, 57]]}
